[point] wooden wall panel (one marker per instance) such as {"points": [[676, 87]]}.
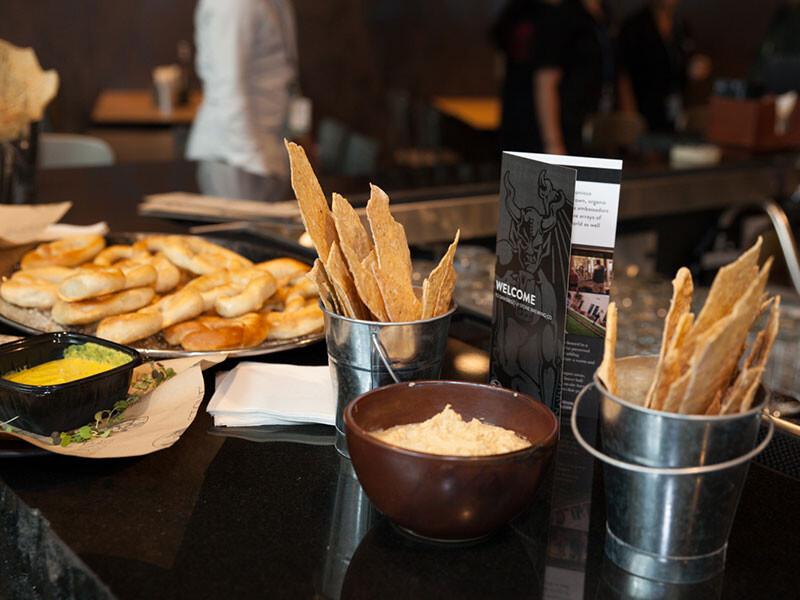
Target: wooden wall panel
{"points": [[352, 52]]}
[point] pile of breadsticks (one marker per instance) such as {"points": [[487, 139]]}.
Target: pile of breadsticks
{"points": [[196, 294]]}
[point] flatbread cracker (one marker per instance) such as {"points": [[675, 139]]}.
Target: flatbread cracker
{"points": [[437, 289], [356, 246], [314, 209], [350, 230], [669, 369], [367, 286], [327, 294], [682, 290], [607, 372], [742, 392], [716, 353], [393, 269], [343, 284], [727, 287]]}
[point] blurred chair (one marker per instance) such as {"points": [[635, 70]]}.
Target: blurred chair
{"points": [[360, 155], [65, 150], [613, 134], [331, 141]]}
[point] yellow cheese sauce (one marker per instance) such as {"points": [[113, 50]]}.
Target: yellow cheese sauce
{"points": [[80, 361], [58, 371]]}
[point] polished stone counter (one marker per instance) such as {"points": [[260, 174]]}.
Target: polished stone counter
{"points": [[252, 514], [277, 513]]}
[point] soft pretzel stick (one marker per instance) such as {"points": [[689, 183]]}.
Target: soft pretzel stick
{"points": [[212, 286], [129, 327], [29, 293], [283, 267], [183, 305], [217, 333], [256, 286], [201, 257], [112, 254], [34, 288], [168, 275], [91, 281], [297, 295], [286, 325], [88, 311], [67, 252]]}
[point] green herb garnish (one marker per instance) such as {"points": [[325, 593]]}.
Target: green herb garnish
{"points": [[105, 420]]}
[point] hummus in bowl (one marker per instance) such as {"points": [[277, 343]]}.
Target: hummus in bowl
{"points": [[447, 496], [447, 433]]}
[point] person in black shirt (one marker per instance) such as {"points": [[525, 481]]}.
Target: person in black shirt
{"points": [[656, 57], [557, 59], [517, 34]]}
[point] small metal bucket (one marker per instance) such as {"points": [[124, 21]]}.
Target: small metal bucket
{"points": [[364, 355], [670, 523], [662, 439]]}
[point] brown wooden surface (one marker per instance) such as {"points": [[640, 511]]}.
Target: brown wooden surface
{"points": [[479, 112], [137, 107]]}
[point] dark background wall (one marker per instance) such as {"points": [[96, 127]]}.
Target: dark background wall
{"points": [[351, 51]]}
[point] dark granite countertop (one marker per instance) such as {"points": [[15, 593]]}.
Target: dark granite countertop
{"points": [[277, 513], [222, 516]]}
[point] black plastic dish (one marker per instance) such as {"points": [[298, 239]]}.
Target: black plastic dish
{"points": [[45, 409]]}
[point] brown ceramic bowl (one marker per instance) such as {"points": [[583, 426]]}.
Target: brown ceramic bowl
{"points": [[448, 497]]}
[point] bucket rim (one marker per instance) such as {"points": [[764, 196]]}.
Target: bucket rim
{"points": [[756, 409], [333, 315], [666, 471]]}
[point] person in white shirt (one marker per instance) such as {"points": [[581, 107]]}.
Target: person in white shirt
{"points": [[247, 61]]}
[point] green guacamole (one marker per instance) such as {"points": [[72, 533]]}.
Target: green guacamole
{"points": [[97, 353]]}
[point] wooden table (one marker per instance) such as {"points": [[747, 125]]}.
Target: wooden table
{"points": [[479, 112], [137, 107]]}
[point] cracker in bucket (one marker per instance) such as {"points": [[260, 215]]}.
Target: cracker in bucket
{"points": [[742, 392], [344, 286], [717, 348], [607, 372], [393, 271], [314, 209], [356, 247], [359, 277], [437, 289], [326, 292], [682, 289], [698, 369]]}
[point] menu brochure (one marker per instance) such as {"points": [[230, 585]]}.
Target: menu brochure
{"points": [[533, 245], [555, 240]]}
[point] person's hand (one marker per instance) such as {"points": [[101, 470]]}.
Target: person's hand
{"points": [[699, 67]]}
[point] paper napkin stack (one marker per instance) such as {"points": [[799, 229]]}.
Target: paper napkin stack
{"points": [[271, 394]]}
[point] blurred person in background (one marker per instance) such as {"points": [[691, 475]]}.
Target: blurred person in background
{"points": [[777, 62], [559, 59], [247, 61], [657, 58], [518, 35]]}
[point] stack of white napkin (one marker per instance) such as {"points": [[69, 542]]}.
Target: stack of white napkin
{"points": [[271, 394]]}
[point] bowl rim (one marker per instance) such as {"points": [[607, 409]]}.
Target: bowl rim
{"points": [[79, 338], [547, 440]]}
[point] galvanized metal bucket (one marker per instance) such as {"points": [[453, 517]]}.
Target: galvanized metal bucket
{"points": [[662, 439], [364, 355], [670, 523]]}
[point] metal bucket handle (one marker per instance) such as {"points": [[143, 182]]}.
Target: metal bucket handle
{"points": [[384, 355], [663, 470]]}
